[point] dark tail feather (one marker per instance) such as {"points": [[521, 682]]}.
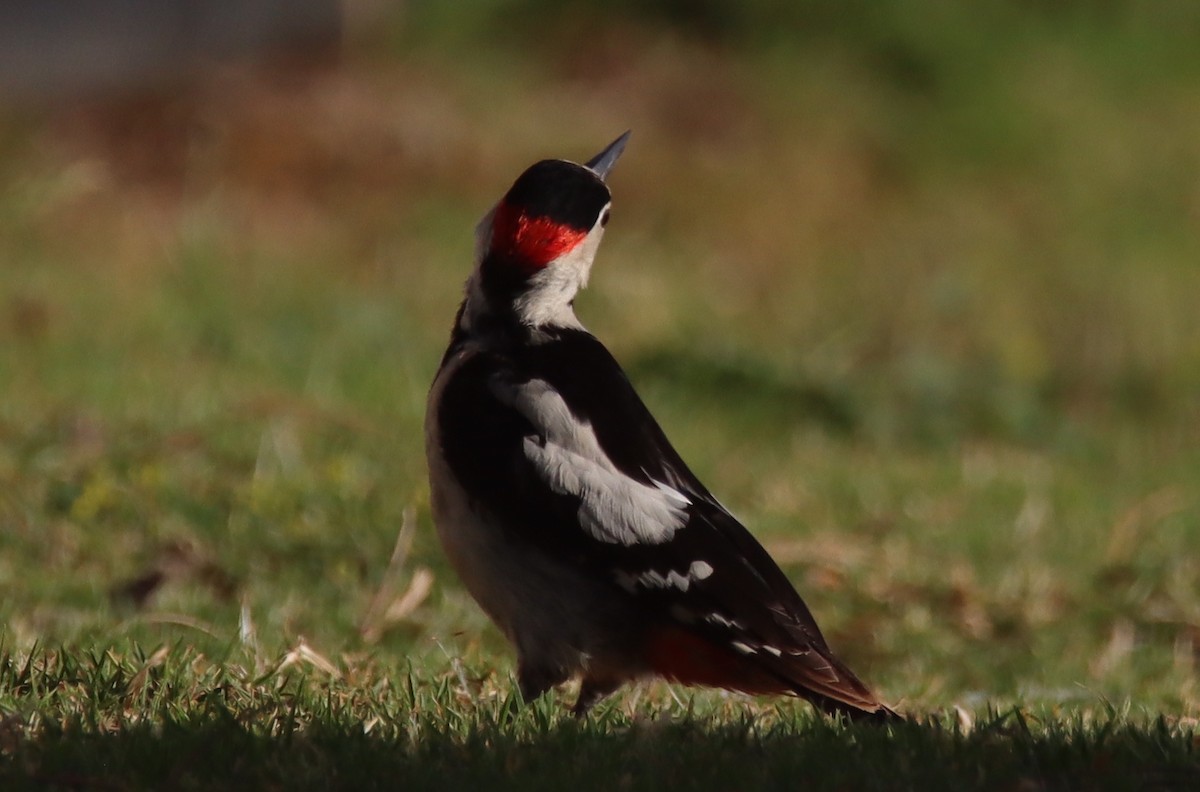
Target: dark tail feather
{"points": [[880, 716]]}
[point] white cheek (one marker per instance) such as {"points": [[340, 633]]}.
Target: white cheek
{"points": [[590, 245]]}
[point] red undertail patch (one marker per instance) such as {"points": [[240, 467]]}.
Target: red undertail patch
{"points": [[690, 659]]}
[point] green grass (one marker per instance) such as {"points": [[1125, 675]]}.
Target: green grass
{"points": [[917, 301], [180, 720]]}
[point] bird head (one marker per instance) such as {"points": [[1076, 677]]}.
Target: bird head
{"points": [[535, 248]]}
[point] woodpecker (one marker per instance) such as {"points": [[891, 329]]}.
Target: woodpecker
{"points": [[564, 509]]}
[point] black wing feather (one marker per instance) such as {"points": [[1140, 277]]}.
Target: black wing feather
{"points": [[758, 604]]}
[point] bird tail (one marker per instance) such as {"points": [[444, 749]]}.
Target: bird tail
{"points": [[835, 690], [881, 715]]}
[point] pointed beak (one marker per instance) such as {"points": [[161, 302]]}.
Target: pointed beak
{"points": [[603, 162]]}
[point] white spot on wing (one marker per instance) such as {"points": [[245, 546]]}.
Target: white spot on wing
{"points": [[723, 621], [613, 507], [743, 648], [772, 650], [654, 579]]}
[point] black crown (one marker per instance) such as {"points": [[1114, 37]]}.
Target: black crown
{"points": [[561, 191]]}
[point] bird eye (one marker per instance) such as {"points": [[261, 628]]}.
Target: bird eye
{"points": [[604, 219]]}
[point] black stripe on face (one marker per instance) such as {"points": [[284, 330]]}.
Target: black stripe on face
{"points": [[561, 191]]}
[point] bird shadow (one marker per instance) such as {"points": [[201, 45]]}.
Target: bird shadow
{"points": [[1004, 751]]}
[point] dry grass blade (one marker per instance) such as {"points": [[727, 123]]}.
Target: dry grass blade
{"points": [[1120, 646], [1127, 530], [138, 683], [181, 619], [966, 721], [303, 653], [375, 619], [418, 589]]}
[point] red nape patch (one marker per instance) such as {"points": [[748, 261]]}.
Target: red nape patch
{"points": [[530, 242], [688, 658]]}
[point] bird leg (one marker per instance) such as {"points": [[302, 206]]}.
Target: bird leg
{"points": [[533, 681], [591, 691]]}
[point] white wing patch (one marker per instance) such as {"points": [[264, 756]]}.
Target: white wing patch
{"points": [[613, 508]]}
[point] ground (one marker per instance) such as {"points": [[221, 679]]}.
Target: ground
{"points": [[915, 297]]}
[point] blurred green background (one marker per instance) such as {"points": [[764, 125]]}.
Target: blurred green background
{"points": [[913, 287]]}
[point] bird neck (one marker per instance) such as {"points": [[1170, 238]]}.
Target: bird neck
{"points": [[497, 299]]}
